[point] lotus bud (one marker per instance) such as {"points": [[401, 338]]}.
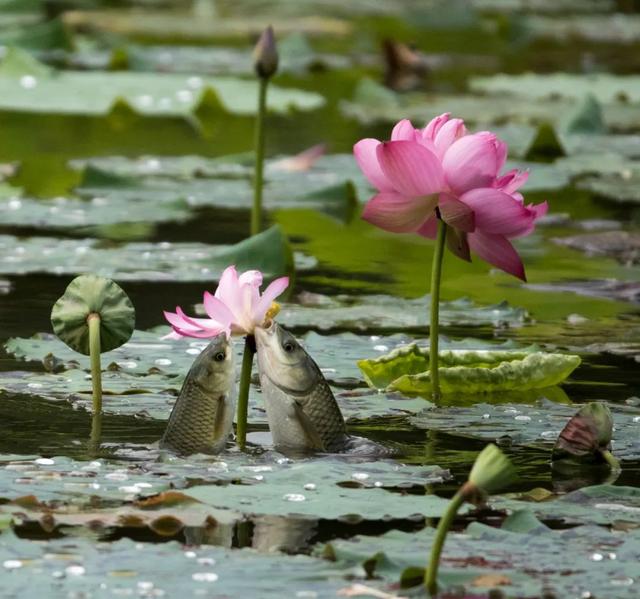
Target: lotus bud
{"points": [[586, 438], [265, 54], [491, 471]]}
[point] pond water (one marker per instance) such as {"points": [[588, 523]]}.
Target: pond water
{"points": [[161, 185]]}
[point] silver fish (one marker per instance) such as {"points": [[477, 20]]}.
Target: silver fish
{"points": [[202, 416], [301, 409]]}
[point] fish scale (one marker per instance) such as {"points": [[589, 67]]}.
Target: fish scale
{"points": [[201, 418], [322, 409]]}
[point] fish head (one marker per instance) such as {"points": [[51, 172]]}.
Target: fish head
{"points": [[214, 367], [283, 360]]}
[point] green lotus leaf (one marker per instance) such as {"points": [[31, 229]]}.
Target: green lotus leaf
{"points": [[90, 294], [405, 369]]}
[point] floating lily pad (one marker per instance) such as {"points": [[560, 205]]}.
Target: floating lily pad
{"points": [[148, 94], [310, 489], [600, 504], [520, 560], [604, 87], [467, 371], [622, 245], [371, 105], [382, 312], [81, 565], [192, 27], [538, 425], [332, 185], [82, 215], [620, 186], [269, 252]]}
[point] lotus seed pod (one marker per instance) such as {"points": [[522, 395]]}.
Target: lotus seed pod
{"points": [[90, 294]]}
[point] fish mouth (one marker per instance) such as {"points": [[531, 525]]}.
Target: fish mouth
{"points": [[263, 334]]}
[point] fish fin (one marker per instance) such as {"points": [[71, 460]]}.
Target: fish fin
{"points": [[221, 418], [307, 426]]}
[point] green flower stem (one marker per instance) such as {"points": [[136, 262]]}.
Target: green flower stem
{"points": [[436, 272], [243, 393], [611, 460], [93, 320], [431, 573], [96, 433], [256, 213]]}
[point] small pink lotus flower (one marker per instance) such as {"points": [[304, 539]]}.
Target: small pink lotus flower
{"points": [[444, 167], [235, 308]]}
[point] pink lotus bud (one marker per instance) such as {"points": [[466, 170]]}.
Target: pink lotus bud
{"points": [[265, 54]]}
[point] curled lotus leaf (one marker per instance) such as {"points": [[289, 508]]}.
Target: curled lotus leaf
{"points": [[586, 437], [90, 294], [405, 369]]}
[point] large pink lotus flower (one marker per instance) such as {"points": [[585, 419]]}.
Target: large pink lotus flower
{"points": [[443, 167], [235, 308]]}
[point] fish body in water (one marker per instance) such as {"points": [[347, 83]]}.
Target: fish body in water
{"points": [[302, 411], [202, 417]]}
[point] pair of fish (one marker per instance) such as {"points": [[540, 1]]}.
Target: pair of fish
{"points": [[301, 409]]}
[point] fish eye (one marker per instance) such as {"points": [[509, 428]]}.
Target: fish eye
{"points": [[219, 357], [288, 347]]}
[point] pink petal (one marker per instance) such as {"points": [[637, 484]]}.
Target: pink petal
{"points": [[539, 209], [216, 309], [450, 132], [498, 213], [250, 277], [434, 125], [512, 181], [199, 334], [403, 130], [497, 250], [430, 228], [175, 319], [270, 293], [456, 213], [501, 153], [397, 213], [367, 159], [411, 168], [471, 162], [228, 285]]}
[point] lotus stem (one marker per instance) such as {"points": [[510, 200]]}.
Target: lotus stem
{"points": [[243, 393], [93, 320], [611, 460], [256, 213], [436, 272], [431, 573], [96, 433]]}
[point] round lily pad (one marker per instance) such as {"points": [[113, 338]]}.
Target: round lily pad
{"points": [[89, 294]]}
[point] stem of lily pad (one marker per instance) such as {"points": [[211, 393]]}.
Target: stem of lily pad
{"points": [[431, 573], [96, 433], [611, 460], [256, 213], [93, 320], [243, 393], [436, 272]]}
